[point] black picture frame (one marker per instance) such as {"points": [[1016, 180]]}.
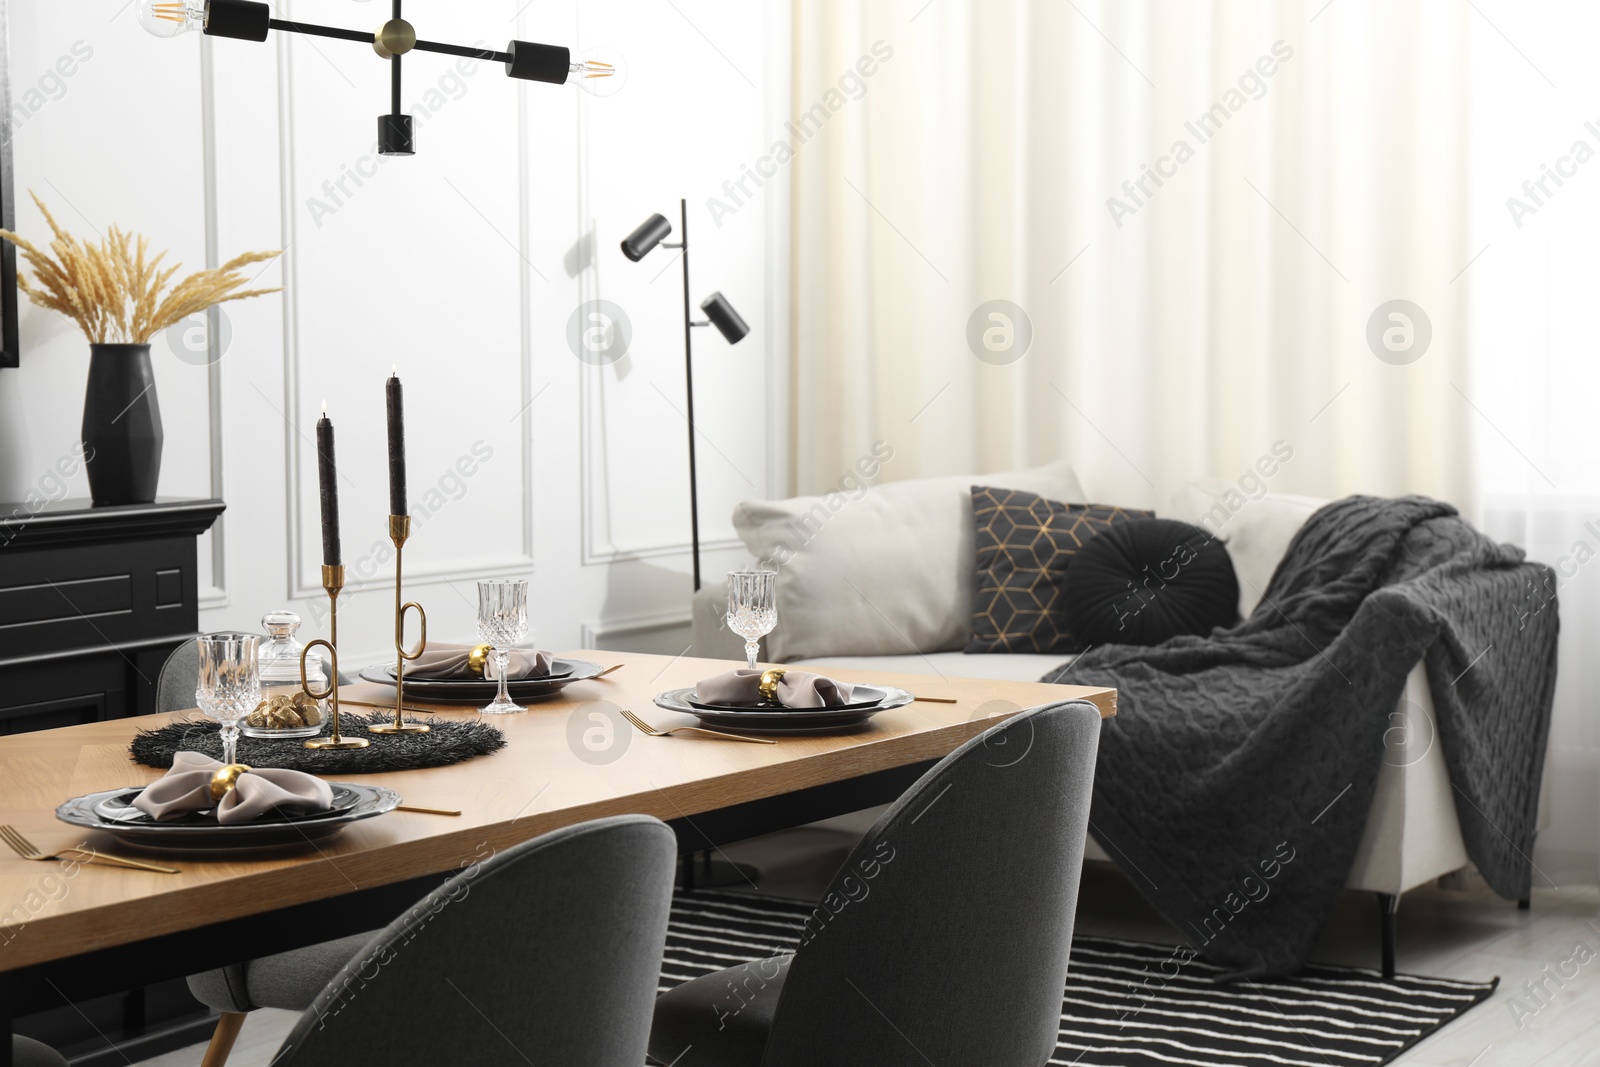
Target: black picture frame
{"points": [[10, 349]]}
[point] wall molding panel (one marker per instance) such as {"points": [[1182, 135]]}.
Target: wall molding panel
{"points": [[466, 263], [302, 581], [624, 632], [217, 595]]}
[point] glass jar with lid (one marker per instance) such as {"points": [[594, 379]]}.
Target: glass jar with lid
{"points": [[285, 709]]}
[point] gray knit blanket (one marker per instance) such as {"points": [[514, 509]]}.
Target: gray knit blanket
{"points": [[1235, 781]]}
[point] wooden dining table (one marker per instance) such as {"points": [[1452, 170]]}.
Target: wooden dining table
{"points": [[101, 929]]}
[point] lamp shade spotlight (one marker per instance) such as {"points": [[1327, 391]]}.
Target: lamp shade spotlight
{"points": [[651, 232], [538, 62], [724, 318]]}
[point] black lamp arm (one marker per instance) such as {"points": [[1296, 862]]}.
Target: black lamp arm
{"points": [[314, 30], [365, 37], [486, 54]]}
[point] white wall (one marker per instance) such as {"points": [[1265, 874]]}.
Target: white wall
{"points": [[461, 266]]}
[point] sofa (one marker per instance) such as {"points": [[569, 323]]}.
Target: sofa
{"points": [[883, 578]]}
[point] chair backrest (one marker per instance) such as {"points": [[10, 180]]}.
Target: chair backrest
{"points": [[944, 938], [547, 952], [176, 683]]}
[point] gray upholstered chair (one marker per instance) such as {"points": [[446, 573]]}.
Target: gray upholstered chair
{"points": [[26, 1052], [943, 939], [547, 952], [176, 682]]}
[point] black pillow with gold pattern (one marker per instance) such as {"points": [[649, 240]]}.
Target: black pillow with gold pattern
{"points": [[1025, 543]]}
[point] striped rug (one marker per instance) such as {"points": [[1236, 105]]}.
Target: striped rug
{"points": [[1135, 1003]]}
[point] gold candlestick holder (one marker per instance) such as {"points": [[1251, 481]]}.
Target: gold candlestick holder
{"points": [[333, 582], [399, 533]]}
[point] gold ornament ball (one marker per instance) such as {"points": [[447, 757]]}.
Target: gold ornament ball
{"points": [[224, 779], [768, 685]]}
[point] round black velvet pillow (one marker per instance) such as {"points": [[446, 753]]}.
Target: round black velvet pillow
{"points": [[1145, 580]]}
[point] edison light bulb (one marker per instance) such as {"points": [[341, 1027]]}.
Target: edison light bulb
{"points": [[600, 71], [168, 18]]}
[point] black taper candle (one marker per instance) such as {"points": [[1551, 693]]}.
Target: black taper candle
{"points": [[328, 485], [397, 446]]}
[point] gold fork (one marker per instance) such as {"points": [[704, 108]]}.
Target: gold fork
{"points": [[29, 851], [646, 728]]}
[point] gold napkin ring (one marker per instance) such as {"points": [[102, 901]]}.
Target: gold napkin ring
{"points": [[478, 660], [223, 779], [768, 685]]}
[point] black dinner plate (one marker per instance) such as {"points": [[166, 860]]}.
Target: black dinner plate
{"points": [[878, 696], [109, 811], [119, 809], [785, 720], [788, 721], [560, 669], [476, 691]]}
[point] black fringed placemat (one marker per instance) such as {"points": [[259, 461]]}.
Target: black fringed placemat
{"points": [[450, 741]]}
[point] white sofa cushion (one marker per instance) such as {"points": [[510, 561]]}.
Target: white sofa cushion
{"points": [[1256, 528], [886, 571]]}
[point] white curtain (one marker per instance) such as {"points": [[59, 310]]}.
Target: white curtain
{"points": [[1231, 307], [1535, 197], [1178, 332]]}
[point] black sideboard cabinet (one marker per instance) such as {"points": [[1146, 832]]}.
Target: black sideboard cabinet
{"points": [[92, 601]]}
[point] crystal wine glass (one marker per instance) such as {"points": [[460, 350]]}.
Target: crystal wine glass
{"points": [[752, 608], [502, 622], [228, 683]]}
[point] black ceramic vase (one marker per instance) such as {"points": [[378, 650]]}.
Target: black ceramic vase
{"points": [[121, 425]]}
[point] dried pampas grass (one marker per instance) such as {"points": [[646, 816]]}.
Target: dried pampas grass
{"points": [[114, 292]]}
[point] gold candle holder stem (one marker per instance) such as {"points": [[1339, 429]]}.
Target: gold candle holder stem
{"points": [[333, 584], [399, 533]]}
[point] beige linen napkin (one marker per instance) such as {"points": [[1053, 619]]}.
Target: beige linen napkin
{"points": [[187, 787], [443, 662], [797, 689]]}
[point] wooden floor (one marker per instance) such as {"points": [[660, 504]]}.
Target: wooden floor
{"points": [[1464, 932]]}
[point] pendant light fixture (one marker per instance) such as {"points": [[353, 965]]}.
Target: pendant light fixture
{"points": [[248, 20]]}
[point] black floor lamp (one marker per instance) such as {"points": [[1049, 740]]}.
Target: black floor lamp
{"points": [[650, 234]]}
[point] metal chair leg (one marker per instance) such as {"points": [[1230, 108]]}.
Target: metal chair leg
{"points": [[1387, 902], [686, 880], [1524, 904]]}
